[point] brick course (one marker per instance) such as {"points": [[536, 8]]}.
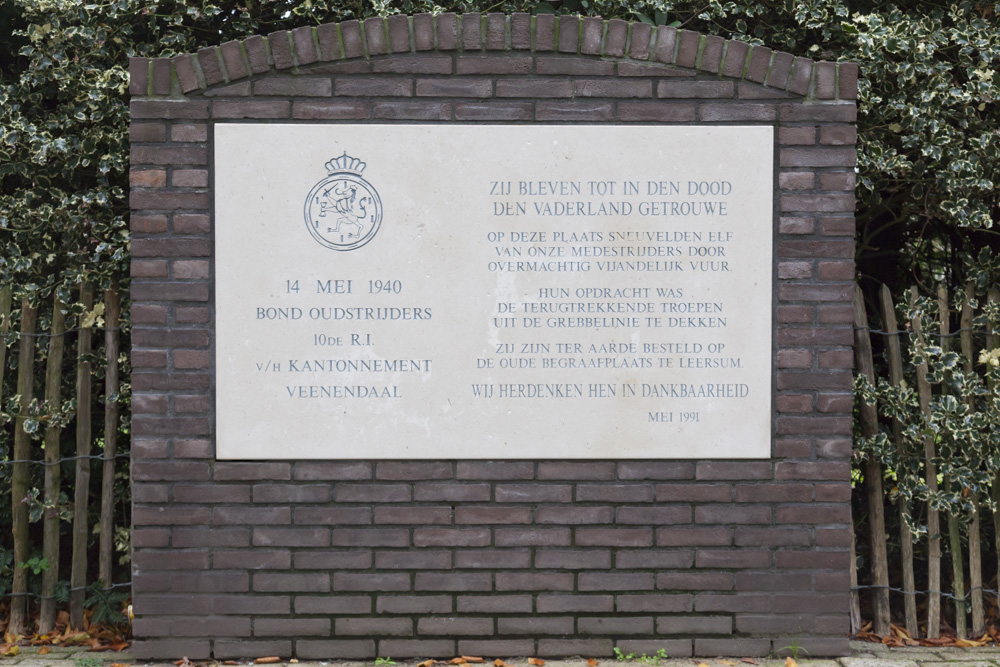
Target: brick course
{"points": [[355, 559]]}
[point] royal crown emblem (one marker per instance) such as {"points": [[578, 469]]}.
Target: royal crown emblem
{"points": [[343, 211]]}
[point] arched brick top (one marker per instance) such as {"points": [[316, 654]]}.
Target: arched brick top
{"points": [[637, 43]]}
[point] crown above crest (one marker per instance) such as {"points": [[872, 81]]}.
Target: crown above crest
{"points": [[345, 163]]}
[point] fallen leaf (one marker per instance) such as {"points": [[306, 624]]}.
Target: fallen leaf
{"points": [[425, 663], [749, 661], [457, 661], [123, 664], [45, 650], [183, 662], [119, 646], [269, 660], [729, 663], [703, 664], [499, 663], [537, 662], [230, 662], [472, 658], [9, 650], [967, 643], [789, 662], [591, 663], [900, 632], [294, 661]]}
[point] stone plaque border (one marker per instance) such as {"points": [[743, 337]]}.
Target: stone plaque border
{"points": [[353, 559]]}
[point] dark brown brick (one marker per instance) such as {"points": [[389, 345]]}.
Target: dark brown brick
{"points": [[296, 627], [379, 627], [781, 67], [570, 111], [454, 626], [252, 516], [454, 88], [377, 493], [422, 515], [454, 581], [494, 470], [653, 559], [687, 51], [413, 604], [825, 80], [615, 581], [329, 470], [590, 41], [711, 56], [532, 536], [496, 29], [657, 603], [335, 605], [655, 470], [416, 560], [534, 88], [657, 515], [534, 493], [694, 89], [352, 649], [168, 109], [694, 581], [685, 536], [297, 87], [452, 492], [610, 87], [726, 559], [143, 132], [399, 33], [422, 63], [371, 581], [413, 648], [336, 109], [412, 110], [571, 647], [535, 625], [656, 111], [545, 26], [472, 32], [614, 537], [273, 582], [329, 42], [574, 515], [717, 112], [486, 604], [847, 81], [493, 559], [250, 109], [350, 33], [569, 31], [798, 81], [598, 559], [333, 560], [451, 537], [694, 625], [371, 537], [617, 626]]}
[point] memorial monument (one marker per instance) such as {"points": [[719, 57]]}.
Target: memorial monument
{"points": [[498, 335]]}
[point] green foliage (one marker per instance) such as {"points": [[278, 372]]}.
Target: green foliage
{"points": [[35, 564], [107, 604], [384, 662], [963, 419], [654, 659]]}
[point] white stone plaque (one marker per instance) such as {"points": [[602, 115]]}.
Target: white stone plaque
{"points": [[502, 292]]}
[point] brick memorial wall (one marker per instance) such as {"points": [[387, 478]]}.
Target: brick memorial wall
{"points": [[292, 555]]}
